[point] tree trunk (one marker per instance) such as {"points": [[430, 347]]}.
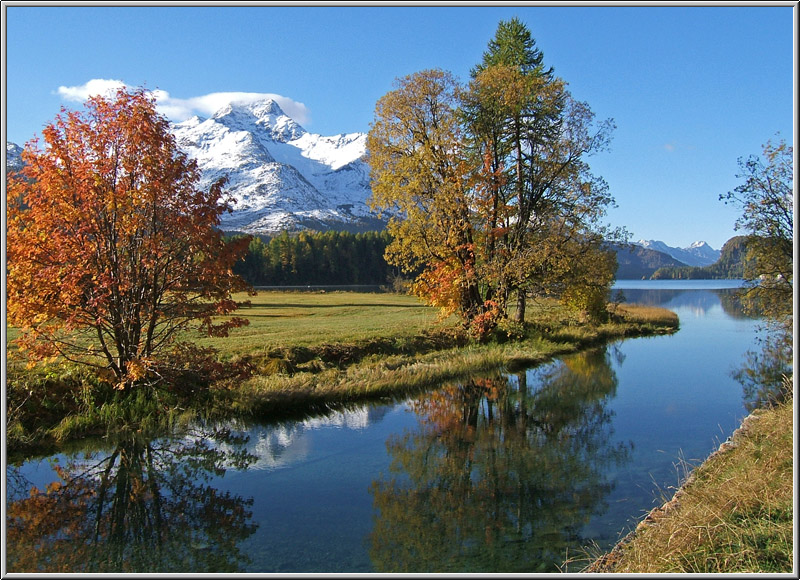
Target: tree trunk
{"points": [[519, 315]]}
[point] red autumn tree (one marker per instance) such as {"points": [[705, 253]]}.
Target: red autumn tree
{"points": [[112, 249]]}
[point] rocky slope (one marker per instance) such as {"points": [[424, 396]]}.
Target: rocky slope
{"points": [[282, 177]]}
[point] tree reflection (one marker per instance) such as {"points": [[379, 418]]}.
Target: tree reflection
{"points": [[502, 474], [145, 507], [731, 301], [766, 374]]}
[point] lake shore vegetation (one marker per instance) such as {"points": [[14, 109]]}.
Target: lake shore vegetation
{"points": [[734, 513], [301, 352]]}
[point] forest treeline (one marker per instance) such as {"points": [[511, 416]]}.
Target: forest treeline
{"points": [[345, 258], [317, 258]]}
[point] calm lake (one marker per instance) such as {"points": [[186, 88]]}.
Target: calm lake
{"points": [[502, 473]]}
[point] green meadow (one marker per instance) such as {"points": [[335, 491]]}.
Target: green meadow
{"points": [[306, 319], [302, 352]]}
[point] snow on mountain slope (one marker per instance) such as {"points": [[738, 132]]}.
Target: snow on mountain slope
{"points": [[13, 157], [697, 254], [281, 176]]}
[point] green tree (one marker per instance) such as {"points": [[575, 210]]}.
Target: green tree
{"points": [[514, 46], [511, 97], [766, 200], [533, 128], [253, 266], [491, 184]]}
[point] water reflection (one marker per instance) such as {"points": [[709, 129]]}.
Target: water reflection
{"points": [[700, 302], [764, 374], [287, 443], [145, 506], [502, 473]]}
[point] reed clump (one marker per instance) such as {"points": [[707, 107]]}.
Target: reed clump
{"points": [[644, 314]]}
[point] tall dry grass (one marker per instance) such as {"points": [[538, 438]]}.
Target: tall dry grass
{"points": [[734, 514]]}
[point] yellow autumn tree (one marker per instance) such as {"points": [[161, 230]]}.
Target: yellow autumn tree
{"points": [[489, 187], [421, 172]]}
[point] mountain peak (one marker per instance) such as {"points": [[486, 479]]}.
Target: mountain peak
{"points": [[263, 114], [264, 107], [281, 176], [259, 109], [697, 254]]}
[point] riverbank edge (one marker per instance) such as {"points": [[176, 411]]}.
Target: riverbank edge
{"points": [[394, 377], [286, 396], [614, 560]]}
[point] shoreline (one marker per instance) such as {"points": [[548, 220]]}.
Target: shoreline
{"points": [[296, 379], [668, 513]]}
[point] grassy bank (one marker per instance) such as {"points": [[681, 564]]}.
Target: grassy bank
{"points": [[306, 351], [317, 350], [733, 514]]}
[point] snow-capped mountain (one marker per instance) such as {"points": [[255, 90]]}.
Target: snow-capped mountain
{"points": [[13, 157], [697, 254], [282, 177]]}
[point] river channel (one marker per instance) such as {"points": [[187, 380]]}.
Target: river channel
{"points": [[503, 473]]}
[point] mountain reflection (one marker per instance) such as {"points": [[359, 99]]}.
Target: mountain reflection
{"points": [[698, 302], [146, 506], [287, 443], [502, 473]]}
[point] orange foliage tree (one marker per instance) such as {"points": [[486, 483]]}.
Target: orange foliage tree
{"points": [[112, 249]]}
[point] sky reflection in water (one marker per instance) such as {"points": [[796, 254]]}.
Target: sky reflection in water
{"points": [[497, 474]]}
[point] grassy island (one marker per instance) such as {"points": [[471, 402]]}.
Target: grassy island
{"points": [[304, 351]]}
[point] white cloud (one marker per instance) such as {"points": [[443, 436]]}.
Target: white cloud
{"points": [[181, 109], [90, 89]]}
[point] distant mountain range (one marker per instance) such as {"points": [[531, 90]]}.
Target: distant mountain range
{"points": [[731, 264], [644, 258], [697, 254], [284, 178]]}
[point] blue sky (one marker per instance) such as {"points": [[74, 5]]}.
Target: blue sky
{"points": [[691, 89]]}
